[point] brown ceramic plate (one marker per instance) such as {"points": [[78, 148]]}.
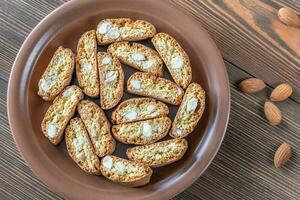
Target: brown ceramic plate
{"points": [[64, 27]]}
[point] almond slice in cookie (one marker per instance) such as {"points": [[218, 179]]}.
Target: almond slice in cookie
{"points": [[160, 153], [125, 172], [142, 132], [145, 84], [123, 29], [86, 64], [97, 126], [175, 58], [111, 80], [138, 56], [60, 112], [57, 75], [137, 109], [189, 112], [80, 147]]}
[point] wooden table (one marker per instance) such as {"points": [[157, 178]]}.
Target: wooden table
{"points": [[253, 42]]}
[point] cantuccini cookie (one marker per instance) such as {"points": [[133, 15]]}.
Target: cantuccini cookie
{"points": [[189, 112], [137, 109], [125, 172], [138, 56], [175, 58], [160, 153], [111, 80], [142, 132], [80, 147], [146, 84], [57, 75], [98, 127], [123, 29], [86, 64], [60, 112]]}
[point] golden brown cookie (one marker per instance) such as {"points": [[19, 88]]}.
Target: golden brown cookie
{"points": [[80, 147], [189, 112], [175, 58], [123, 29], [57, 75], [125, 172]]}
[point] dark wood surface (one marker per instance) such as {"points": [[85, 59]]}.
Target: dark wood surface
{"points": [[253, 43]]}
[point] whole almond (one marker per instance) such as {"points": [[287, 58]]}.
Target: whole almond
{"points": [[289, 17], [252, 85], [272, 113], [281, 92], [282, 155]]}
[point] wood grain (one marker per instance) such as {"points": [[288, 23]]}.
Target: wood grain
{"points": [[243, 168], [250, 35]]}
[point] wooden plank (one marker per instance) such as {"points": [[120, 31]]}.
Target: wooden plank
{"points": [[243, 168], [249, 35]]}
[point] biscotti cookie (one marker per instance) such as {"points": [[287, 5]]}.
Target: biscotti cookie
{"points": [[160, 153], [137, 56], [123, 29], [137, 109], [142, 132], [111, 80], [97, 126], [57, 75], [125, 172], [175, 58], [60, 112], [86, 64], [80, 147], [145, 84], [189, 112]]}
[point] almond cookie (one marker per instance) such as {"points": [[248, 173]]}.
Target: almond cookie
{"points": [[86, 64], [123, 29], [80, 147], [137, 109], [189, 112], [57, 75], [145, 84], [125, 172], [138, 56], [111, 80], [142, 132], [97, 126], [60, 112], [160, 153], [175, 58]]}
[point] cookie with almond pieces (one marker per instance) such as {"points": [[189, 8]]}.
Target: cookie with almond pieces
{"points": [[145, 84], [175, 58], [158, 154], [111, 80], [137, 109], [57, 75], [98, 127], [125, 172], [190, 111], [80, 147], [60, 112], [138, 56], [86, 64], [142, 132], [123, 29]]}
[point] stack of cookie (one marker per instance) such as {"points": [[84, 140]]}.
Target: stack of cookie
{"points": [[138, 121]]}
